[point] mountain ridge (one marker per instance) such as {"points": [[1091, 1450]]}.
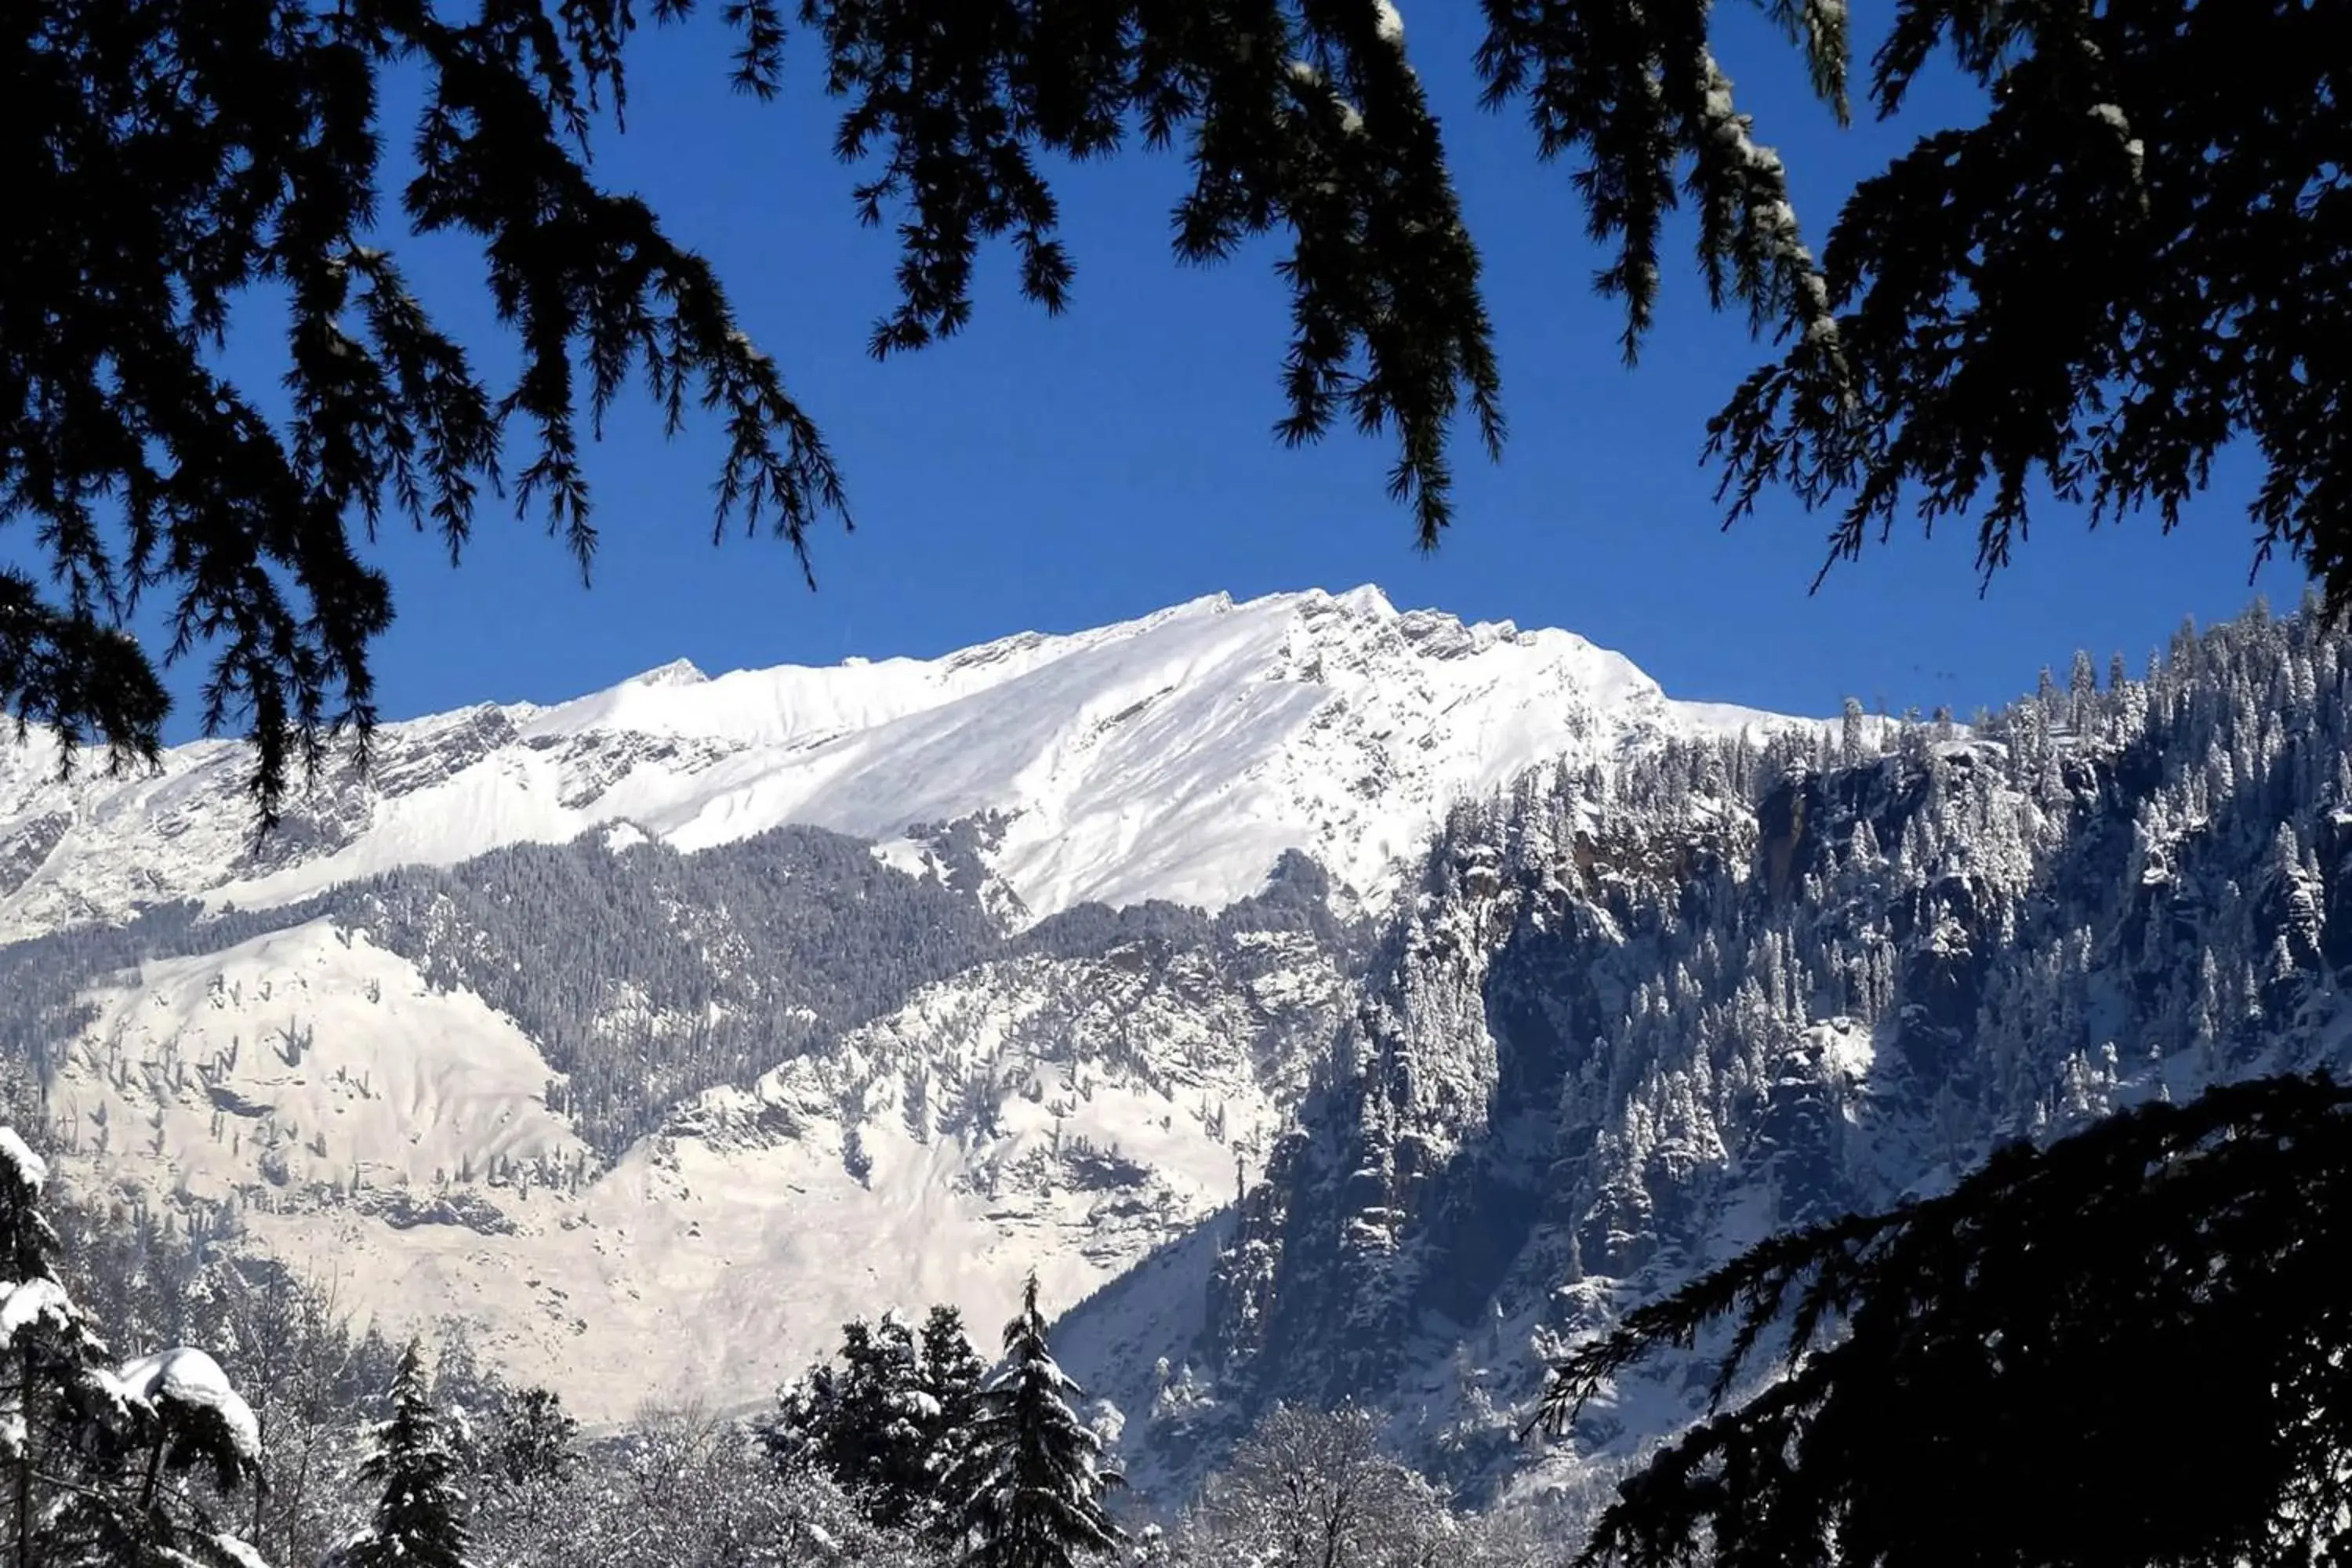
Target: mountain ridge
{"points": [[671, 1034], [1674, 987], [1174, 756], [1635, 1023]]}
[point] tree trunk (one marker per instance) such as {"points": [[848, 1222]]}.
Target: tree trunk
{"points": [[25, 1460]]}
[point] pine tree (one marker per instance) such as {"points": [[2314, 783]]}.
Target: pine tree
{"points": [[96, 1455], [877, 1443], [869, 1420], [1030, 1482], [952, 1376], [420, 1519], [2192, 235], [2002, 1373], [2086, 290], [952, 1370], [53, 1355]]}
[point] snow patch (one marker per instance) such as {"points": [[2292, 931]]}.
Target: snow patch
{"points": [[309, 1056], [30, 1302], [238, 1552], [1846, 1049], [905, 855]]}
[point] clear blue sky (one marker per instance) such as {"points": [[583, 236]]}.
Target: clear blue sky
{"points": [[1060, 473]]}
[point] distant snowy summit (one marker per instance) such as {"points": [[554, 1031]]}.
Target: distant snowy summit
{"points": [[1176, 756]]}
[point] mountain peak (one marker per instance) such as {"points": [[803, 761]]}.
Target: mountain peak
{"points": [[677, 672], [1178, 756], [1367, 599]]}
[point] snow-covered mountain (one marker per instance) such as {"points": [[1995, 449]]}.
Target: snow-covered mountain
{"points": [[1326, 1001], [395, 1140], [666, 1028], [1622, 1032], [1172, 757]]}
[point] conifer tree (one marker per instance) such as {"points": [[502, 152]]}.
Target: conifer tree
{"points": [[2088, 293], [148, 468], [2129, 160], [420, 1519], [54, 1358], [867, 1420], [952, 1372], [2126, 1349], [1031, 1481], [952, 1376], [877, 1442], [95, 1456]]}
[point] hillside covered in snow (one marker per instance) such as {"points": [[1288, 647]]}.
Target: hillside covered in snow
{"points": [[1328, 1002], [1634, 1019], [705, 1013]]}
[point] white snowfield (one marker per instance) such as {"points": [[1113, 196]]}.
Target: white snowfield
{"points": [[716, 1260], [304, 1056], [358, 1118], [1174, 757]]}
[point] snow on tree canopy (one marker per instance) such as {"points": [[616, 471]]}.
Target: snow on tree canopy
{"points": [[29, 1303], [1042, 1369], [190, 1377], [30, 1168], [238, 1551], [1030, 1480]]}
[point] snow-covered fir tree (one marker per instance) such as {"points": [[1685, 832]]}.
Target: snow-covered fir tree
{"points": [[867, 1420], [1031, 1481], [887, 1417], [127, 1465], [952, 1376], [420, 1520]]}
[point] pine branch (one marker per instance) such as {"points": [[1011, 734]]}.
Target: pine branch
{"points": [[1979, 1344], [2084, 295]]}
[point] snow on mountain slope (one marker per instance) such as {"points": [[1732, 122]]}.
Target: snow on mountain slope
{"points": [[1073, 1114], [1175, 756], [1081, 1100], [302, 1058], [696, 1271]]}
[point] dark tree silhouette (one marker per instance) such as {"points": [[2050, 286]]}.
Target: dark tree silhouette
{"points": [[96, 1456], [2124, 1350], [420, 1519], [2135, 258], [165, 156], [2138, 257], [1030, 1478]]}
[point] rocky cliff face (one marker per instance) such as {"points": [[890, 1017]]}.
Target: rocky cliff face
{"points": [[1636, 1017]]}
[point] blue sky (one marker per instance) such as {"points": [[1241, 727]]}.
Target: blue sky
{"points": [[1060, 473]]}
